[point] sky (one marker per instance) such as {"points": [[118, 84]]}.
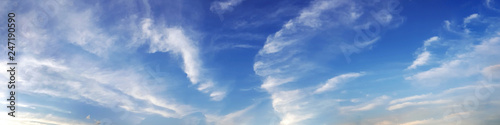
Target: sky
{"points": [[254, 62]]}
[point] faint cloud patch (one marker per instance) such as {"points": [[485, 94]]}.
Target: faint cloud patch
{"points": [[222, 6]]}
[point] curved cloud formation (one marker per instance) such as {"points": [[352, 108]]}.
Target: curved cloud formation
{"points": [[283, 59]]}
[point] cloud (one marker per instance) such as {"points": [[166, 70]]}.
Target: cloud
{"points": [[174, 40], [52, 108], [419, 122], [462, 65], [490, 4], [217, 95], [410, 98], [406, 104], [478, 52], [450, 106], [430, 40], [29, 118], [309, 18], [421, 60], [220, 7], [87, 70], [492, 72], [297, 106], [385, 123], [423, 57], [446, 70], [471, 17], [365, 106], [233, 118], [270, 82], [83, 31], [98, 87], [88, 117], [333, 82], [287, 57], [220, 47]]}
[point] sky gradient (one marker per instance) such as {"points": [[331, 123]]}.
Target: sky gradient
{"points": [[254, 62]]}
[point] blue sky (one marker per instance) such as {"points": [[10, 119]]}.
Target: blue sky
{"points": [[255, 62]]}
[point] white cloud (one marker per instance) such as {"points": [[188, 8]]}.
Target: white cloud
{"points": [[365, 106], [492, 72], [446, 70], [447, 107], [354, 100], [333, 82], [81, 76], [467, 62], [423, 57], [99, 88], [28, 118], [174, 40], [219, 47], [293, 106], [468, 20], [471, 17], [270, 82], [419, 122], [457, 29], [406, 104], [83, 31], [233, 118], [410, 98], [385, 122], [287, 56], [217, 95], [221, 7], [430, 40], [447, 25], [309, 18], [51, 108], [491, 5], [463, 64], [297, 106]]}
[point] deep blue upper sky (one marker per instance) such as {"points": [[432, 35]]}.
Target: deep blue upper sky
{"points": [[255, 62]]}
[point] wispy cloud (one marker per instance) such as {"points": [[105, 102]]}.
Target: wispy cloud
{"points": [[175, 41], [87, 70], [461, 28], [283, 61], [419, 122], [406, 104], [234, 46], [480, 52], [490, 4], [410, 98], [492, 72], [471, 17], [425, 55], [464, 64], [271, 82], [222, 6], [237, 117], [366, 106], [28, 118], [333, 82]]}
